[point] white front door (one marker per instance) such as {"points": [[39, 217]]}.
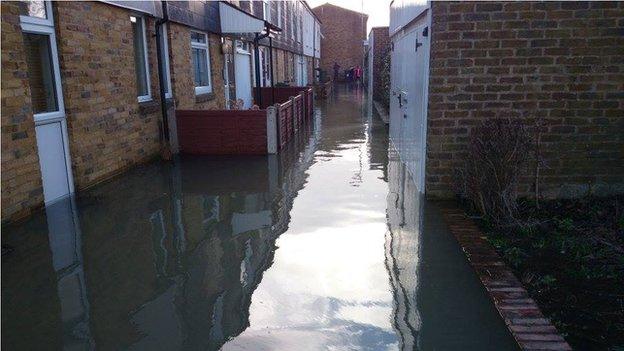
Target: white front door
{"points": [[47, 104], [242, 71]]}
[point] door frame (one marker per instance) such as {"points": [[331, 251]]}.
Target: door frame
{"points": [[40, 26]]}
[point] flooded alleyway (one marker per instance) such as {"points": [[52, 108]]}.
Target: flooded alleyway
{"points": [[325, 246]]}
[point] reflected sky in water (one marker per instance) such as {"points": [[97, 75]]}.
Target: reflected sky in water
{"points": [[326, 246]]}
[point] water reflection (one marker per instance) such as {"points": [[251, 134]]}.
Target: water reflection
{"points": [[172, 255], [325, 246]]}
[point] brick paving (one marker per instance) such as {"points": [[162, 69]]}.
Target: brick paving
{"points": [[531, 330]]}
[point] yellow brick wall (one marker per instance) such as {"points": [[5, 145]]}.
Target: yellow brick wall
{"points": [[108, 129], [21, 179], [182, 70]]}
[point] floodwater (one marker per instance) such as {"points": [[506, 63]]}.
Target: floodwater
{"points": [[326, 246]]}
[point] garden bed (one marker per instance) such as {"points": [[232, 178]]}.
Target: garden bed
{"points": [[569, 255]]}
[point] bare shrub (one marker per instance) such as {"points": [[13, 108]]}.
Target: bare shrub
{"points": [[498, 154]]}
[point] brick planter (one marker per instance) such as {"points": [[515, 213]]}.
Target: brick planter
{"points": [[531, 330]]}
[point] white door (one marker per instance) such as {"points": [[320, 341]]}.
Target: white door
{"points": [[242, 71], [47, 104], [408, 100]]}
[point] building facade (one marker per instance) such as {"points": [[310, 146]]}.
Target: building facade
{"points": [[295, 49], [82, 81], [344, 33], [555, 66]]}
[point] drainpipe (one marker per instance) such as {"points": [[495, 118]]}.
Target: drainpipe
{"points": [[166, 148], [272, 81]]}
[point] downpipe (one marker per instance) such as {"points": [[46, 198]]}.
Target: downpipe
{"points": [[165, 150]]}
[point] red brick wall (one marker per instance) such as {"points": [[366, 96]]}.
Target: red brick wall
{"points": [[225, 132], [345, 32], [560, 61]]}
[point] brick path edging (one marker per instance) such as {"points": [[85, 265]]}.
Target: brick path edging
{"points": [[531, 330]]}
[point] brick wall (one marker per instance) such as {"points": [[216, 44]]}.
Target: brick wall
{"points": [[181, 69], [21, 178], [344, 32], [222, 132], [108, 129], [558, 61], [381, 48]]}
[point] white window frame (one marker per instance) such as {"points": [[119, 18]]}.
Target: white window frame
{"points": [[48, 21], [165, 51], [266, 10], [206, 89], [148, 97], [35, 25]]}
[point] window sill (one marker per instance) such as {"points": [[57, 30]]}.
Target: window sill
{"points": [[148, 106], [204, 97]]}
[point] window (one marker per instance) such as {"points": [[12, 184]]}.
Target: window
{"points": [[40, 72], [292, 20], [165, 60], [37, 9], [279, 13], [140, 58], [266, 10], [201, 62], [41, 59]]}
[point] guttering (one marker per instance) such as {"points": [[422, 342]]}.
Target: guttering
{"points": [[166, 152]]}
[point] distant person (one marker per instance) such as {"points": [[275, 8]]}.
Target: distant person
{"points": [[358, 73], [336, 70]]}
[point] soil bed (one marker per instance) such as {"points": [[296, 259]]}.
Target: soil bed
{"points": [[570, 256]]}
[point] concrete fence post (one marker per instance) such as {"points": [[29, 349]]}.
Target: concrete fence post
{"points": [[293, 116], [278, 117], [271, 130]]}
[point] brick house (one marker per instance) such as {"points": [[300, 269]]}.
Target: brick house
{"points": [[81, 87], [344, 33], [560, 62], [376, 53]]}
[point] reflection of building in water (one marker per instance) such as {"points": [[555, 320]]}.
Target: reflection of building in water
{"points": [[402, 252], [173, 263]]}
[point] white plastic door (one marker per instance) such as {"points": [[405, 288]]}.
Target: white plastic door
{"points": [[242, 72]]}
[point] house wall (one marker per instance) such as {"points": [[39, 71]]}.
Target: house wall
{"points": [[344, 34], [182, 80], [109, 130], [21, 178], [561, 62]]}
